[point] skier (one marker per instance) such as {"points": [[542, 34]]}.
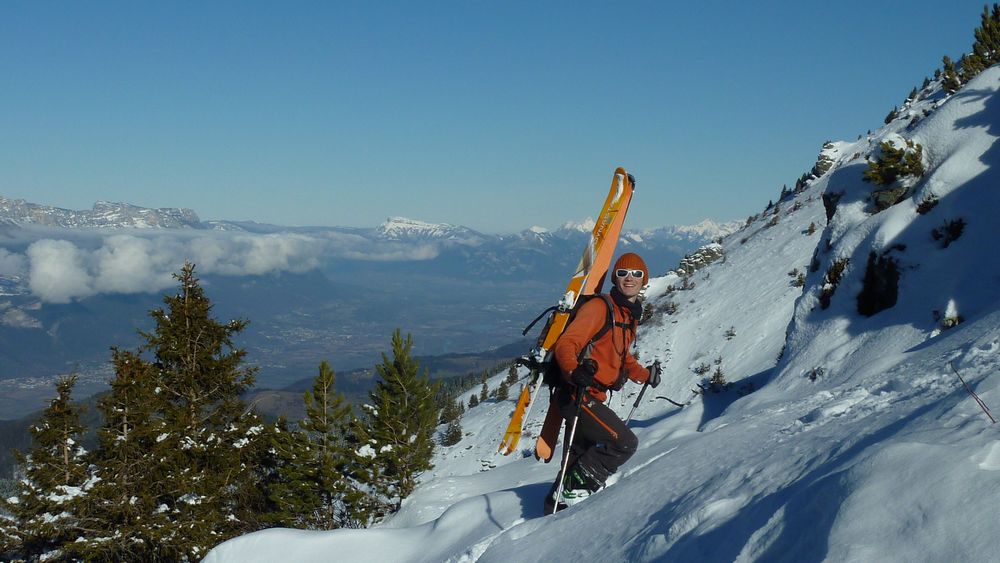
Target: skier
{"points": [[602, 442]]}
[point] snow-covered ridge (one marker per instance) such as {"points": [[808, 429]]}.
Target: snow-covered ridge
{"points": [[395, 228], [104, 215], [585, 226], [708, 229]]}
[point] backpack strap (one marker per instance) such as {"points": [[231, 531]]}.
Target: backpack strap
{"points": [[608, 323]]}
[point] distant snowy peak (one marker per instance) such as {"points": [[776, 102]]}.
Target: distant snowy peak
{"points": [[585, 226], [104, 215], [402, 228], [705, 230], [708, 229]]}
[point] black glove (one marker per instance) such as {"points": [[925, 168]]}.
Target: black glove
{"points": [[583, 375], [654, 374]]}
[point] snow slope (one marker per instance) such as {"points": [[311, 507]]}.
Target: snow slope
{"points": [[858, 444]]}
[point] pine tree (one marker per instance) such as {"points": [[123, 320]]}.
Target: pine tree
{"points": [[395, 440], [453, 434], [48, 508], [311, 490], [512, 375], [950, 80], [201, 443], [208, 431], [893, 114], [986, 48], [473, 401], [124, 520], [450, 412], [484, 391], [503, 391]]}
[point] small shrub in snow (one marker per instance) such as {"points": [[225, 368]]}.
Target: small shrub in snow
{"points": [[927, 204], [891, 115], [702, 369], [670, 307], [950, 80], [815, 373], [949, 232], [950, 322], [830, 201], [831, 281], [811, 229], [718, 381], [880, 286], [950, 319], [731, 333], [647, 313], [898, 158]]}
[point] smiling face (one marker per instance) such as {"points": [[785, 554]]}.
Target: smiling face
{"points": [[629, 286]]}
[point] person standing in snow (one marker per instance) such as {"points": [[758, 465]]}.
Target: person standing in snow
{"points": [[602, 442]]}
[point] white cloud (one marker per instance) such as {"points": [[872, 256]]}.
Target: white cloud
{"points": [[60, 270], [244, 254], [18, 319], [12, 264], [128, 264], [57, 272]]}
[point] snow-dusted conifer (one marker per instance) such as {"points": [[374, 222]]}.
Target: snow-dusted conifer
{"points": [[47, 507], [484, 391], [201, 487], [452, 434], [395, 440], [124, 522], [311, 490]]}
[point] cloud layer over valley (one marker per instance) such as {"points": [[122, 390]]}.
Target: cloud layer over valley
{"points": [[59, 267]]}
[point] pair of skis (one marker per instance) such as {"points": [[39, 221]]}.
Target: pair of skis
{"points": [[587, 280]]}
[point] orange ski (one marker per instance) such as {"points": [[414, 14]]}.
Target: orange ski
{"points": [[589, 276]]}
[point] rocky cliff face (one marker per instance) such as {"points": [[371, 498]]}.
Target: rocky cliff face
{"points": [[104, 215]]}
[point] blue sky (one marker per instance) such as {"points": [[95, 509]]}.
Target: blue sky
{"points": [[497, 116]]}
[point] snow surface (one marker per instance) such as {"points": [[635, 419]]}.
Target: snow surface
{"points": [[858, 444]]}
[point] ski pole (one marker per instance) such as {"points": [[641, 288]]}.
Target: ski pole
{"points": [[979, 401], [568, 447], [637, 400]]}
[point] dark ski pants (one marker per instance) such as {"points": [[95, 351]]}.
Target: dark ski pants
{"points": [[602, 442]]}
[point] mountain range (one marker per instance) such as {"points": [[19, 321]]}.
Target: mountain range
{"points": [[75, 283]]}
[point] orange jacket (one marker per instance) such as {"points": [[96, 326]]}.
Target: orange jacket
{"points": [[610, 352]]}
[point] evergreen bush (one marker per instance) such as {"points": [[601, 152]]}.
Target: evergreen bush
{"points": [[880, 287], [895, 162], [949, 232]]}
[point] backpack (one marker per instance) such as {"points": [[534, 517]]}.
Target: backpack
{"points": [[551, 373]]}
